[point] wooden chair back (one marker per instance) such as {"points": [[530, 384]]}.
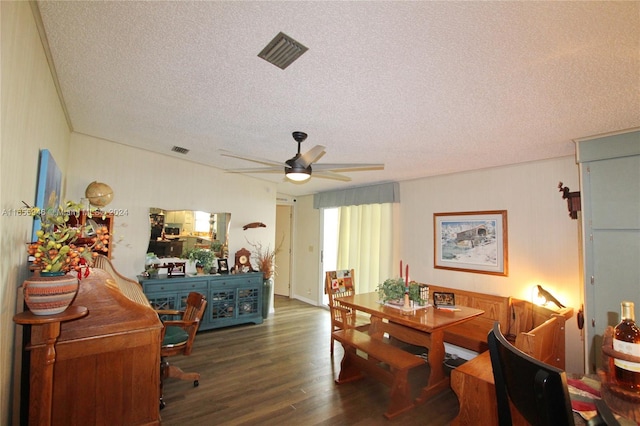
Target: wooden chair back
{"points": [[339, 283], [189, 322]]}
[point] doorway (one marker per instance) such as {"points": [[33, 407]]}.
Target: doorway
{"points": [[329, 246], [282, 280]]}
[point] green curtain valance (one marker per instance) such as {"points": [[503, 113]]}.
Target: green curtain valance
{"points": [[373, 194]]}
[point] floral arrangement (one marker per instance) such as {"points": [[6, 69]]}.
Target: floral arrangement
{"points": [[265, 258], [56, 251], [393, 289]]}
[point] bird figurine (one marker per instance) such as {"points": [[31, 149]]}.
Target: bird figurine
{"points": [[549, 297]]}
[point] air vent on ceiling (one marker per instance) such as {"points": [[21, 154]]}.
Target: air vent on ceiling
{"points": [[179, 150], [282, 51]]}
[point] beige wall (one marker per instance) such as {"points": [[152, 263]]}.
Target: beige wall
{"points": [[142, 179], [543, 241], [32, 118], [306, 280]]}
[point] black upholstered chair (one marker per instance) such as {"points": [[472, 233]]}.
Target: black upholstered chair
{"points": [[537, 390]]}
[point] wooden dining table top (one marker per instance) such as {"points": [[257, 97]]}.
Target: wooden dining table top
{"points": [[427, 319]]}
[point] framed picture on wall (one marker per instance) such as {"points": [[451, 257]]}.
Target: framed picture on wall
{"points": [[471, 242], [49, 187]]}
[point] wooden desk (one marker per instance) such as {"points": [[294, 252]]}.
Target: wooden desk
{"points": [[107, 363], [422, 327], [43, 357]]}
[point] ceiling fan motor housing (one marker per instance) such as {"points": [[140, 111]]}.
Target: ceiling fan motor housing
{"points": [[294, 167], [299, 136]]}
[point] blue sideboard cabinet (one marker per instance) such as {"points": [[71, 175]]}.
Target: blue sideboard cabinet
{"points": [[231, 299]]}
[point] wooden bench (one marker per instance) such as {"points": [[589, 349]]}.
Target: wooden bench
{"points": [[472, 334], [473, 381], [514, 315], [398, 360]]}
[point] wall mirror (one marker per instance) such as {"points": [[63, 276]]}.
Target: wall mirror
{"points": [[175, 231]]}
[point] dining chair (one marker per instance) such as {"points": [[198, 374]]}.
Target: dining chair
{"points": [[341, 283], [178, 336], [537, 390]]}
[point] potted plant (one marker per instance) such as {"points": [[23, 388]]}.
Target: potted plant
{"points": [[203, 257], [393, 290], [55, 254]]}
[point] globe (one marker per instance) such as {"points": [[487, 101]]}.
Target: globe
{"points": [[99, 194]]}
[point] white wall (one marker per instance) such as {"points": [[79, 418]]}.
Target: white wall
{"points": [[142, 179], [544, 242], [32, 118]]}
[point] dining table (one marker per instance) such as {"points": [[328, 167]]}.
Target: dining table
{"points": [[419, 326]]}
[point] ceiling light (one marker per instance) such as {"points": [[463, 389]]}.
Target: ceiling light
{"points": [[297, 174], [282, 51]]}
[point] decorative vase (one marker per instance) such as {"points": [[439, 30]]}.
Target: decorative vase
{"points": [[50, 294], [267, 289]]}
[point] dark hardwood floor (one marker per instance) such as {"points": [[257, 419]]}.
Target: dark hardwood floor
{"points": [[281, 372]]}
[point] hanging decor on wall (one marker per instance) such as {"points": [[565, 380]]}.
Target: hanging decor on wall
{"points": [[573, 200], [471, 242], [49, 187]]}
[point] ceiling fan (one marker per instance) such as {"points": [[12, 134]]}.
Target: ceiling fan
{"points": [[298, 168]]}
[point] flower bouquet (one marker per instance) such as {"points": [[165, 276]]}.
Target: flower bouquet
{"points": [[55, 251]]}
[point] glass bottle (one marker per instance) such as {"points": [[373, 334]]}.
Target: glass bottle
{"points": [[626, 339]]}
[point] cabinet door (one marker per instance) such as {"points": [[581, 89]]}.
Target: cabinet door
{"points": [[612, 223], [222, 303], [249, 301]]}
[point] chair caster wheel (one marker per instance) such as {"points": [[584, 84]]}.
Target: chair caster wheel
{"points": [[162, 404], [196, 383]]}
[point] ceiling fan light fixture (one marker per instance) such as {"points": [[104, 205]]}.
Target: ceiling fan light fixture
{"points": [[297, 174]]}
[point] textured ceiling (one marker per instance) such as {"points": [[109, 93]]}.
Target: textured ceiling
{"points": [[426, 88]]}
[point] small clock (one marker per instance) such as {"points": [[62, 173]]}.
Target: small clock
{"points": [[242, 260]]}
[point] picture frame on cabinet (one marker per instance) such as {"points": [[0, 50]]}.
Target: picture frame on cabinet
{"points": [[471, 242], [223, 266]]}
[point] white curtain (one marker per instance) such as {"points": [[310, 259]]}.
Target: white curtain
{"points": [[365, 243]]}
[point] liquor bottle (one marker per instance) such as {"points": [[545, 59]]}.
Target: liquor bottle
{"points": [[626, 339]]}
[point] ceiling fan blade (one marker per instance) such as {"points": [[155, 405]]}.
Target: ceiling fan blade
{"points": [[354, 167], [330, 175], [274, 169], [311, 156], [251, 158]]}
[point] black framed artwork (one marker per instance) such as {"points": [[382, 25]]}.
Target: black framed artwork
{"points": [[223, 266]]}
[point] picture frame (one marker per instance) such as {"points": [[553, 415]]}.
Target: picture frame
{"points": [[471, 242], [223, 266], [444, 299], [48, 189]]}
